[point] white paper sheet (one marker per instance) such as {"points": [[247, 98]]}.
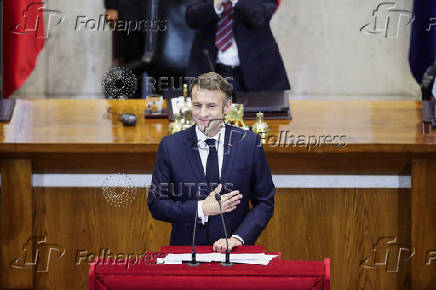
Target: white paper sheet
{"points": [[253, 259]]}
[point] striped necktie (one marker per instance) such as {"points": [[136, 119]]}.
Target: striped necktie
{"points": [[224, 31]]}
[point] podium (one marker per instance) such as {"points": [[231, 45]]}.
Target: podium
{"points": [[146, 274]]}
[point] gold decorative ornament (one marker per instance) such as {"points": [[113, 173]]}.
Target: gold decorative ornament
{"points": [[186, 110], [175, 126], [235, 116], [261, 127]]}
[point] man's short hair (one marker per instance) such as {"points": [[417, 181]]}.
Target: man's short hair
{"points": [[212, 81]]}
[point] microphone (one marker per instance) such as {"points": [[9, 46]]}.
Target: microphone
{"points": [[194, 259], [227, 262], [206, 53]]}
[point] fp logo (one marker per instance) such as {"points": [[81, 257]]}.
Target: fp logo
{"points": [[40, 258], [388, 254], [32, 21], [388, 21]]}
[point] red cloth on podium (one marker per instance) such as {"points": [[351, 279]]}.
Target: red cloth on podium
{"points": [[278, 274]]}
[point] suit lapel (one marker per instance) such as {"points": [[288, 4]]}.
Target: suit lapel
{"points": [[227, 156], [192, 151]]}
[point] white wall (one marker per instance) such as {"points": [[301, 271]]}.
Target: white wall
{"points": [[323, 49], [326, 54], [72, 63]]}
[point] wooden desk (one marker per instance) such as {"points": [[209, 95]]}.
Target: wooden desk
{"points": [[76, 136]]}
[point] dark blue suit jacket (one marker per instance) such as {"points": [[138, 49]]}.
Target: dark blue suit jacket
{"points": [[178, 173], [261, 64]]}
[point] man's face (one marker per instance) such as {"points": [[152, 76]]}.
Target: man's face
{"points": [[208, 109]]}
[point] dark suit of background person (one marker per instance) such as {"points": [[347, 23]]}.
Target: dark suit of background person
{"points": [[166, 50], [129, 48], [244, 165], [261, 67]]}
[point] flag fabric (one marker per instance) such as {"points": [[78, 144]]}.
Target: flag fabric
{"points": [[423, 38], [23, 39]]}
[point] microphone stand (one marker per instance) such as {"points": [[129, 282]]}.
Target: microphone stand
{"points": [[209, 61], [194, 259], [227, 262]]}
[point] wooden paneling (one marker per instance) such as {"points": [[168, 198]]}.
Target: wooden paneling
{"points": [[398, 164], [83, 126], [77, 136], [423, 223], [309, 224], [93, 163], [342, 224], [15, 222], [314, 163], [80, 219]]}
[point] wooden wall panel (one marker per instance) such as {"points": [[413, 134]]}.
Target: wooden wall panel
{"points": [[307, 163], [341, 224], [81, 219], [309, 224], [423, 222], [15, 223]]}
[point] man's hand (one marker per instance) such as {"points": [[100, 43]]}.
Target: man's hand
{"points": [[220, 245], [218, 4], [111, 16], [229, 201]]}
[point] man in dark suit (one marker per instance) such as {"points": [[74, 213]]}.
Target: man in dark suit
{"points": [[128, 45], [129, 10], [237, 37], [190, 163]]}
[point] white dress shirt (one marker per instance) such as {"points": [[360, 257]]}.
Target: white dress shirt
{"points": [[204, 153], [204, 148], [231, 56]]}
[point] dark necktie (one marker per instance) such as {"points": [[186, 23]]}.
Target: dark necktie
{"points": [[212, 169], [224, 30]]}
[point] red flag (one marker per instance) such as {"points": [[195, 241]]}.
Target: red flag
{"points": [[278, 4], [23, 39]]}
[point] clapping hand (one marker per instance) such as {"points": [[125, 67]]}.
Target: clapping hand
{"points": [[218, 4], [229, 201]]}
